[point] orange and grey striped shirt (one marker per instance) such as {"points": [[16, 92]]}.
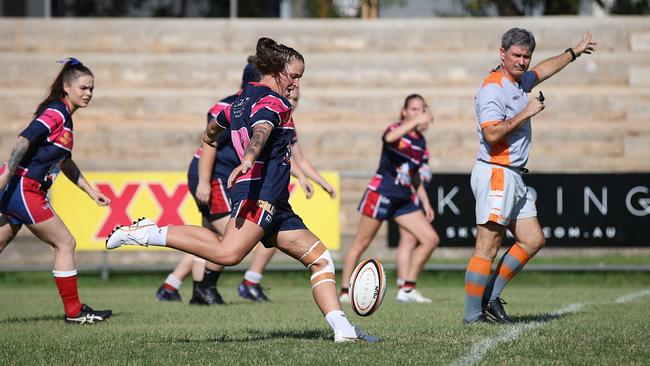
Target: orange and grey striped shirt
{"points": [[500, 98]]}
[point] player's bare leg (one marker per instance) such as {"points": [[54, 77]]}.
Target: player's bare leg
{"points": [[7, 232], [54, 232], [304, 246], [418, 225], [239, 239], [367, 230], [206, 274], [250, 288], [405, 248], [169, 289]]}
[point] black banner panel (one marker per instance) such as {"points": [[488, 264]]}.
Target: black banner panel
{"points": [[574, 210]]}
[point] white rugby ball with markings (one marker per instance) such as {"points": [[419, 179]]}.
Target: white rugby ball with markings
{"points": [[367, 287]]}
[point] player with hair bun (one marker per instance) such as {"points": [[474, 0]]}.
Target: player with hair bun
{"points": [[250, 287], [207, 181], [42, 151], [260, 125]]}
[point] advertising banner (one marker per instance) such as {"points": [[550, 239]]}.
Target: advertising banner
{"points": [[165, 198], [573, 209]]}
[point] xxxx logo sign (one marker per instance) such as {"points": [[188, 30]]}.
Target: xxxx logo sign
{"points": [[168, 202], [161, 196], [165, 198]]}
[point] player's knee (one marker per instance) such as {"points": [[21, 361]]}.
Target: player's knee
{"points": [[431, 240], [360, 243], [486, 249], [67, 244], [319, 261], [232, 258], [538, 243]]}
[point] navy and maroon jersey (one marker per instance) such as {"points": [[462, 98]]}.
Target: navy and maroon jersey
{"points": [[268, 179], [400, 164], [51, 138], [227, 158]]}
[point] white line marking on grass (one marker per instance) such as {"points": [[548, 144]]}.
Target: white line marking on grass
{"points": [[631, 297], [481, 348], [510, 334]]}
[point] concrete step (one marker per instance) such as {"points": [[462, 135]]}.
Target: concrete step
{"points": [[148, 144], [453, 103], [222, 36], [371, 69]]}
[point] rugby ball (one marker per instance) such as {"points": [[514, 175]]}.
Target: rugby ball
{"points": [[367, 287]]}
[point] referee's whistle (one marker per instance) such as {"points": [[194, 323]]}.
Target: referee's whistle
{"points": [[541, 96]]}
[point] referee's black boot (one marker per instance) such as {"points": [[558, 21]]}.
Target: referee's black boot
{"points": [[482, 319], [494, 309]]}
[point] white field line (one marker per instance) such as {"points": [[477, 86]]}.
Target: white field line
{"points": [[631, 297], [481, 348], [510, 334]]}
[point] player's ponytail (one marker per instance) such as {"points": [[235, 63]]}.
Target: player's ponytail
{"points": [[271, 58], [71, 70]]}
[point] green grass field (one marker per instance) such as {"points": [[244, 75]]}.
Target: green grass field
{"points": [[563, 318]]}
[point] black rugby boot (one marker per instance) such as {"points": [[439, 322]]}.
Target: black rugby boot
{"points": [[205, 295], [494, 309]]}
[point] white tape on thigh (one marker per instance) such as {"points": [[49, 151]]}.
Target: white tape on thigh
{"points": [[198, 260]]}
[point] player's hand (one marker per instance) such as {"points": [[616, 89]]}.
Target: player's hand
{"points": [[306, 186], [203, 190], [329, 189], [429, 213], [534, 106], [100, 199], [585, 45], [240, 170]]}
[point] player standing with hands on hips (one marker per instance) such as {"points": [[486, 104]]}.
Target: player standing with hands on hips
{"points": [[503, 201]]}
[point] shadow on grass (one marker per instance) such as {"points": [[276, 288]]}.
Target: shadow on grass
{"points": [[29, 319], [42, 318], [539, 318], [256, 335]]}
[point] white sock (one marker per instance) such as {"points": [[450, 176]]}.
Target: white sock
{"points": [[339, 323], [158, 236], [253, 277], [400, 282], [173, 281], [65, 273]]}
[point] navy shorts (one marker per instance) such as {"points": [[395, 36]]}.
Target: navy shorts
{"points": [[272, 219], [380, 207], [219, 205]]}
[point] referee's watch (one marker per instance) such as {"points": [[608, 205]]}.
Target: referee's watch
{"points": [[573, 54]]}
